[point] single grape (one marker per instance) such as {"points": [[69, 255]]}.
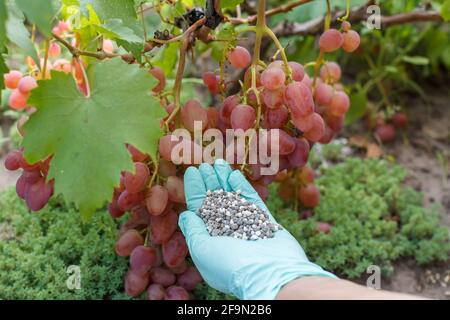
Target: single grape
{"points": [[128, 200], [276, 64], [211, 81], [38, 194], [213, 117], [340, 103], [175, 188], [162, 276], [299, 157], [13, 160], [176, 293], [108, 46], [335, 123], [276, 118], [142, 259], [166, 145], [273, 78], [18, 100], [346, 26], [351, 41], [193, 111], [306, 175], [318, 129], [323, 94], [386, 133], [307, 81], [189, 279], [304, 123], [137, 182], [243, 117], [127, 242], [309, 195], [400, 120], [330, 40], [175, 250], [227, 107], [273, 99], [298, 98], [286, 143], [155, 292], [63, 26], [298, 72], [22, 187], [54, 50], [323, 227], [156, 200], [180, 268], [239, 58], [139, 214], [162, 227], [12, 79], [135, 284], [32, 176], [327, 136], [114, 209], [330, 72], [158, 73]]}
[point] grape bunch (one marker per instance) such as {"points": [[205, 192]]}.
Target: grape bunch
{"points": [[157, 251]]}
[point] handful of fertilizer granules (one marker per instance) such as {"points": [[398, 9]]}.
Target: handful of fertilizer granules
{"points": [[228, 214]]}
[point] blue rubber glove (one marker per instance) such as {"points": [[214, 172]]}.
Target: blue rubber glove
{"points": [[247, 269]]}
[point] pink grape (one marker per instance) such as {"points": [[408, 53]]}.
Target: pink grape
{"points": [[243, 117], [273, 98], [142, 259], [317, 130], [323, 94], [330, 40], [13, 160], [114, 209], [162, 227], [346, 26], [327, 136], [309, 196], [155, 292], [166, 145], [299, 157], [38, 194], [304, 123], [276, 118], [128, 200], [193, 111], [54, 50], [22, 187], [330, 72], [62, 65], [211, 81], [175, 250], [180, 268], [298, 72], [63, 26], [128, 242], [298, 98], [157, 200], [190, 279], [273, 78], [239, 58], [26, 84], [158, 73], [135, 284], [339, 104], [400, 120], [286, 143], [162, 276], [12, 79], [227, 107], [137, 182], [176, 293], [307, 81], [351, 41], [18, 100], [32, 176], [175, 188], [386, 133], [213, 117], [335, 123]]}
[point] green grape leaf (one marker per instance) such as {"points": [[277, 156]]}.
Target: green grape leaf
{"points": [[230, 3], [3, 70], [115, 29], [107, 9], [358, 105], [167, 58], [40, 12], [445, 10], [18, 34], [87, 135]]}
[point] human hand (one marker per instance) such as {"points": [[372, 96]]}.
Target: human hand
{"points": [[247, 269]]}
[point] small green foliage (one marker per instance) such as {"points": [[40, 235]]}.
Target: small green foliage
{"points": [[374, 220], [36, 250]]}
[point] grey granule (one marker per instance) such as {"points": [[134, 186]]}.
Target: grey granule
{"points": [[228, 214]]}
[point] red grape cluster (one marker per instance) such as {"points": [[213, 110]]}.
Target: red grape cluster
{"points": [[149, 237], [333, 39], [31, 185], [385, 130]]}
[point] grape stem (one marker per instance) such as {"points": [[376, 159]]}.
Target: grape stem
{"points": [[44, 68], [280, 48]]}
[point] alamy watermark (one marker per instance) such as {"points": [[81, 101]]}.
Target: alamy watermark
{"points": [[374, 280], [73, 282], [374, 18]]}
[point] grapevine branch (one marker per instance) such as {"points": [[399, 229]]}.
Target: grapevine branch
{"points": [[101, 55]]}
